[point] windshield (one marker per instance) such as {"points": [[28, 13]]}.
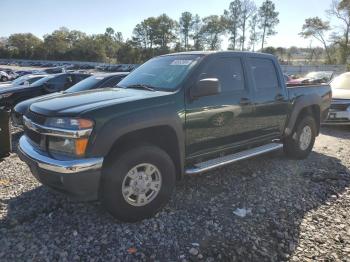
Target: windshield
{"points": [[86, 84], [21, 80], [319, 75], [162, 73], [341, 82], [44, 80]]}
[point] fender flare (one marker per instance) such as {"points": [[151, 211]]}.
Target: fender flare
{"points": [[106, 136], [300, 104]]}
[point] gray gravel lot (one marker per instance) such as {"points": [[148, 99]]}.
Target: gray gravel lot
{"points": [[300, 211]]}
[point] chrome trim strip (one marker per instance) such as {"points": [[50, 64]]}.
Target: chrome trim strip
{"points": [[51, 131], [233, 158], [335, 123], [58, 166], [340, 101]]}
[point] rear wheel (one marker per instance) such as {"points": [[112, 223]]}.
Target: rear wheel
{"points": [[300, 144], [138, 183]]}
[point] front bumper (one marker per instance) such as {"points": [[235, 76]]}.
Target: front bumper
{"points": [[338, 118], [79, 179]]}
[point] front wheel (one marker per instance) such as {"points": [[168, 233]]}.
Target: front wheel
{"points": [[300, 144], [138, 183]]}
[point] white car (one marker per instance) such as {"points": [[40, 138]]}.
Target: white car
{"points": [[4, 77], [339, 113]]}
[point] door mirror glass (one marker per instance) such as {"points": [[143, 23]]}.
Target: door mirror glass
{"points": [[206, 87]]}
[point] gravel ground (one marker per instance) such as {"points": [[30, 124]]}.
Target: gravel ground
{"points": [[294, 210]]}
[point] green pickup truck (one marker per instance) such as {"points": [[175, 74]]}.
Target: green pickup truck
{"points": [[177, 114]]}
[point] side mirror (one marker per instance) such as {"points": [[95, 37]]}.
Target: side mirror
{"points": [[206, 87]]}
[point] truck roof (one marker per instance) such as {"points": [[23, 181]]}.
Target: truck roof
{"points": [[207, 53]]}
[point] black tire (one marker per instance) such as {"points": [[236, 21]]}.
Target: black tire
{"points": [[292, 144], [4, 79], [116, 170]]}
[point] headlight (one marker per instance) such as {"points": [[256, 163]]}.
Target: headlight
{"points": [[68, 146], [69, 123]]}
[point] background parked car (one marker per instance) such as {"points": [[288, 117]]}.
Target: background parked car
{"points": [[311, 78], [340, 107], [92, 82], [7, 74], [9, 97], [22, 81]]}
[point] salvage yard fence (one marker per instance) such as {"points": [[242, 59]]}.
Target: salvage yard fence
{"points": [[288, 69], [304, 69]]}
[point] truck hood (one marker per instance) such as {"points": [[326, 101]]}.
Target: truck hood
{"points": [[22, 107], [5, 85], [73, 104], [341, 93], [13, 89]]}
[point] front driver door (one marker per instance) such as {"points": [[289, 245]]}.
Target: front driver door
{"points": [[219, 122]]}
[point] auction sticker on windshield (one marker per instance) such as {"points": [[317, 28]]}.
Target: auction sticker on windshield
{"points": [[181, 62]]}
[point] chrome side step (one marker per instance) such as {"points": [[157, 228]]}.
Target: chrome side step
{"points": [[225, 160]]}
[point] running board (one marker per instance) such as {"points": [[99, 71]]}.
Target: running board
{"points": [[225, 160]]}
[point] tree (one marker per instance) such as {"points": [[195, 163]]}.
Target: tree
{"points": [[341, 11], [280, 51], [158, 31], [166, 31], [269, 50], [145, 33], [248, 10], [25, 44], [268, 20], [232, 20], [315, 27], [186, 27], [196, 35], [213, 28], [254, 34]]}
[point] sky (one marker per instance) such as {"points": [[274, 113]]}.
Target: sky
{"points": [[94, 16]]}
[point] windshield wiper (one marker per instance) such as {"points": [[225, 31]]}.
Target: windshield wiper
{"points": [[142, 86]]}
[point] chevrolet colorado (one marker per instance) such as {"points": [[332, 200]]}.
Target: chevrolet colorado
{"points": [[183, 113]]}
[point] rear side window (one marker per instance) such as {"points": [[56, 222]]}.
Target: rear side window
{"points": [[112, 82], [264, 73], [228, 70]]}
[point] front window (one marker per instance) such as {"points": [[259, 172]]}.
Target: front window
{"points": [[162, 73], [341, 82]]}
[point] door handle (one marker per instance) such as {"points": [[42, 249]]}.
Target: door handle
{"points": [[279, 97], [245, 101]]}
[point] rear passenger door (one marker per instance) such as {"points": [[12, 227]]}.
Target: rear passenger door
{"points": [[220, 122], [271, 100]]}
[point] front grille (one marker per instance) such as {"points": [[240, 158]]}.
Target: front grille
{"points": [[33, 136], [36, 118], [340, 107], [340, 104]]}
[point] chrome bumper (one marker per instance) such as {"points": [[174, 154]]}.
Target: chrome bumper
{"points": [[47, 163], [338, 118]]}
